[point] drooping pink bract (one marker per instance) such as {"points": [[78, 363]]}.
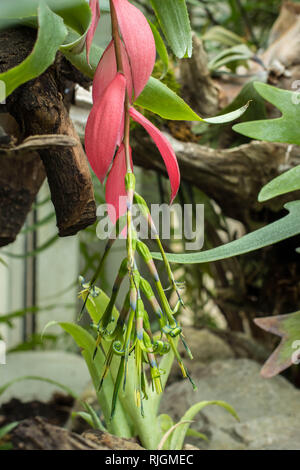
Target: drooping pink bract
{"points": [[139, 42], [103, 126], [165, 149], [115, 191]]}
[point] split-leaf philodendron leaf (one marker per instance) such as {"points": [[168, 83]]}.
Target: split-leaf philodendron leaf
{"points": [[288, 351], [284, 129], [275, 232]]}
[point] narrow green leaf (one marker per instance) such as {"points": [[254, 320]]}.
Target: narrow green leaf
{"points": [[228, 117], [223, 36], [43, 247], [199, 435], [51, 34], [284, 129], [6, 318], [96, 420], [283, 184], [180, 433], [233, 54], [40, 223], [85, 416], [282, 229], [174, 21], [161, 48], [3, 262], [7, 429], [159, 99], [39, 379], [96, 305]]}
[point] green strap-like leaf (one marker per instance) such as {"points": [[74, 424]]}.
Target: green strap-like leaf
{"points": [[180, 433], [283, 184], [66, 389], [174, 21], [51, 34], [159, 99], [284, 129], [282, 229], [160, 47]]}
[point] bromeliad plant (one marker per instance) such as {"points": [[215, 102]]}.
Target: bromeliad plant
{"points": [[121, 76]]}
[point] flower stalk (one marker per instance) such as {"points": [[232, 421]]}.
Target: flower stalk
{"points": [[122, 73]]}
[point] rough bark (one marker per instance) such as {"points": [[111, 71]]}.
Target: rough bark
{"points": [[39, 108], [37, 434]]}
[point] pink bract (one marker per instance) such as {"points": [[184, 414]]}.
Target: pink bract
{"points": [[103, 127], [165, 149], [107, 70], [139, 43], [115, 191]]}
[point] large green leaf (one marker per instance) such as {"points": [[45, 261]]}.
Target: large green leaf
{"points": [[96, 305], [159, 99], [86, 343], [51, 34], [80, 62], [284, 129], [75, 13], [288, 351], [174, 21], [283, 184], [282, 229]]}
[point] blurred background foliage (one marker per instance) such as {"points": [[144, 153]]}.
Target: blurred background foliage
{"points": [[217, 295]]}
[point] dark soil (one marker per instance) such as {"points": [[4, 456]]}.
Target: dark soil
{"points": [[56, 411]]}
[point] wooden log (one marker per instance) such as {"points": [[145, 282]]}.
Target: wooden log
{"points": [[21, 176], [232, 177], [37, 434], [38, 107]]}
